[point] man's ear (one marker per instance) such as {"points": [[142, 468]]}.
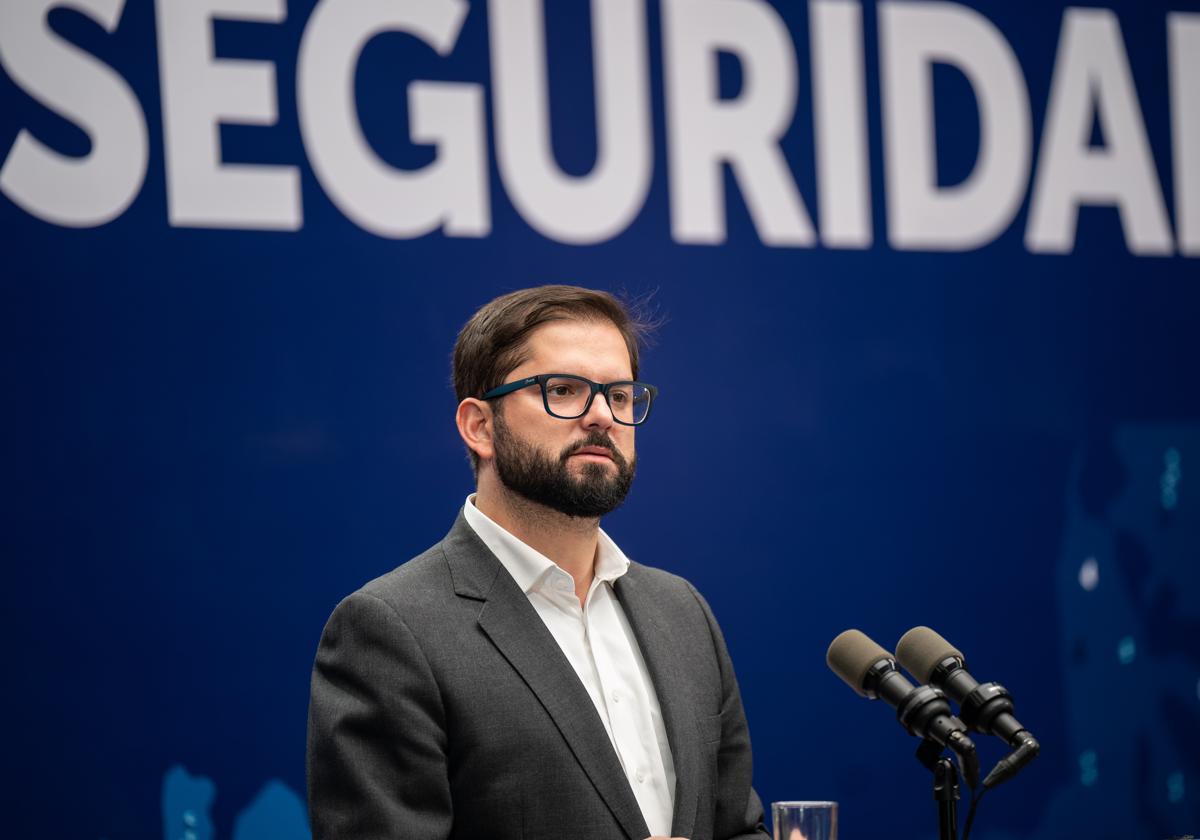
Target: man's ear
{"points": [[474, 420]]}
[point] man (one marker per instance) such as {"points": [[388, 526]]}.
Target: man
{"points": [[522, 678]]}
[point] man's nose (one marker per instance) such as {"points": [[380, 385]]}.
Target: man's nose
{"points": [[598, 414]]}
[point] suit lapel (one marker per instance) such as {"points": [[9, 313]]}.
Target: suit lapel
{"points": [[517, 631], [663, 660]]}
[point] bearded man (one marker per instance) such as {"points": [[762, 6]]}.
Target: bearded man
{"points": [[523, 678]]}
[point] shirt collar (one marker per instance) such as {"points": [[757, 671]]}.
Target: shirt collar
{"points": [[527, 565]]}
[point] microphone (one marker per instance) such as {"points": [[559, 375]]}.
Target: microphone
{"points": [[985, 707], [871, 671]]}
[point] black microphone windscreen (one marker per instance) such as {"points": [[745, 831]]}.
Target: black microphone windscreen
{"points": [[921, 649], [851, 656]]}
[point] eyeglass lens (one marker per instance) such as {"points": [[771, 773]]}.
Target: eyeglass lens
{"points": [[567, 398]]}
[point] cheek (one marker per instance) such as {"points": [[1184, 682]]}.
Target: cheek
{"points": [[625, 441], [531, 418]]}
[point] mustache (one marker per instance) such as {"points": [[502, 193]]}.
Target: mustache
{"points": [[595, 439]]}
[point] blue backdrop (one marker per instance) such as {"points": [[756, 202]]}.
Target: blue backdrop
{"points": [[220, 423]]}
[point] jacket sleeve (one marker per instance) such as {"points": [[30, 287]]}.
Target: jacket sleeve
{"points": [[376, 759], [739, 810]]}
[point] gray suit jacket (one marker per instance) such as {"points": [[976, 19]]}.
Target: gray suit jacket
{"points": [[442, 707]]}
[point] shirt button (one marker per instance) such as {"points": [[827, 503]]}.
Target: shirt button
{"points": [[640, 776], [616, 697], [562, 583]]}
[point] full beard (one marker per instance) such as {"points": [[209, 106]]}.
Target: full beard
{"points": [[547, 481]]}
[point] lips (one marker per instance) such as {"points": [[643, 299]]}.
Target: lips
{"points": [[594, 451]]}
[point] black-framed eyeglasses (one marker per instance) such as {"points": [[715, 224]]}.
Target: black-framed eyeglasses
{"points": [[567, 396]]}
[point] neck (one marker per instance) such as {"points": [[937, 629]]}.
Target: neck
{"points": [[569, 541]]}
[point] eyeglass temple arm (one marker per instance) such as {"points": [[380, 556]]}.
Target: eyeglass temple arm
{"points": [[509, 388]]}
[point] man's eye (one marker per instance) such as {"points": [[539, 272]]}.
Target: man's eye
{"points": [[619, 397], [561, 390]]}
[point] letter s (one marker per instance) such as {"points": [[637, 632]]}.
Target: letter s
{"points": [[71, 191]]}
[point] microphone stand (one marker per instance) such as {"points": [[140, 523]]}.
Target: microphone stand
{"points": [[945, 787]]}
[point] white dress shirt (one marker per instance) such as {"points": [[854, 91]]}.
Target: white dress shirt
{"points": [[599, 643]]}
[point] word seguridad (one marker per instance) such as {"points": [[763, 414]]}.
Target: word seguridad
{"points": [[1092, 83]]}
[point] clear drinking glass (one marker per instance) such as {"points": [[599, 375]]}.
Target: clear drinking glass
{"points": [[804, 820]]}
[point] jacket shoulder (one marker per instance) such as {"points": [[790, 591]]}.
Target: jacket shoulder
{"points": [[458, 565], [414, 580], [666, 587]]}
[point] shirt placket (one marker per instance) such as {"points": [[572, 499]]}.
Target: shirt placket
{"points": [[576, 641], [621, 696]]}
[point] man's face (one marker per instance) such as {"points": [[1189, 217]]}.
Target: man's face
{"points": [[582, 467]]}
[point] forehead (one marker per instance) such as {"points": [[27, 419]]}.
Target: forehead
{"points": [[595, 349]]}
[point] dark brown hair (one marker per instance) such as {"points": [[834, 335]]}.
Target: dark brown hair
{"points": [[494, 342]]}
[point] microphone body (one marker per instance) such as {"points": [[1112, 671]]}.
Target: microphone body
{"points": [[922, 710], [985, 707]]}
